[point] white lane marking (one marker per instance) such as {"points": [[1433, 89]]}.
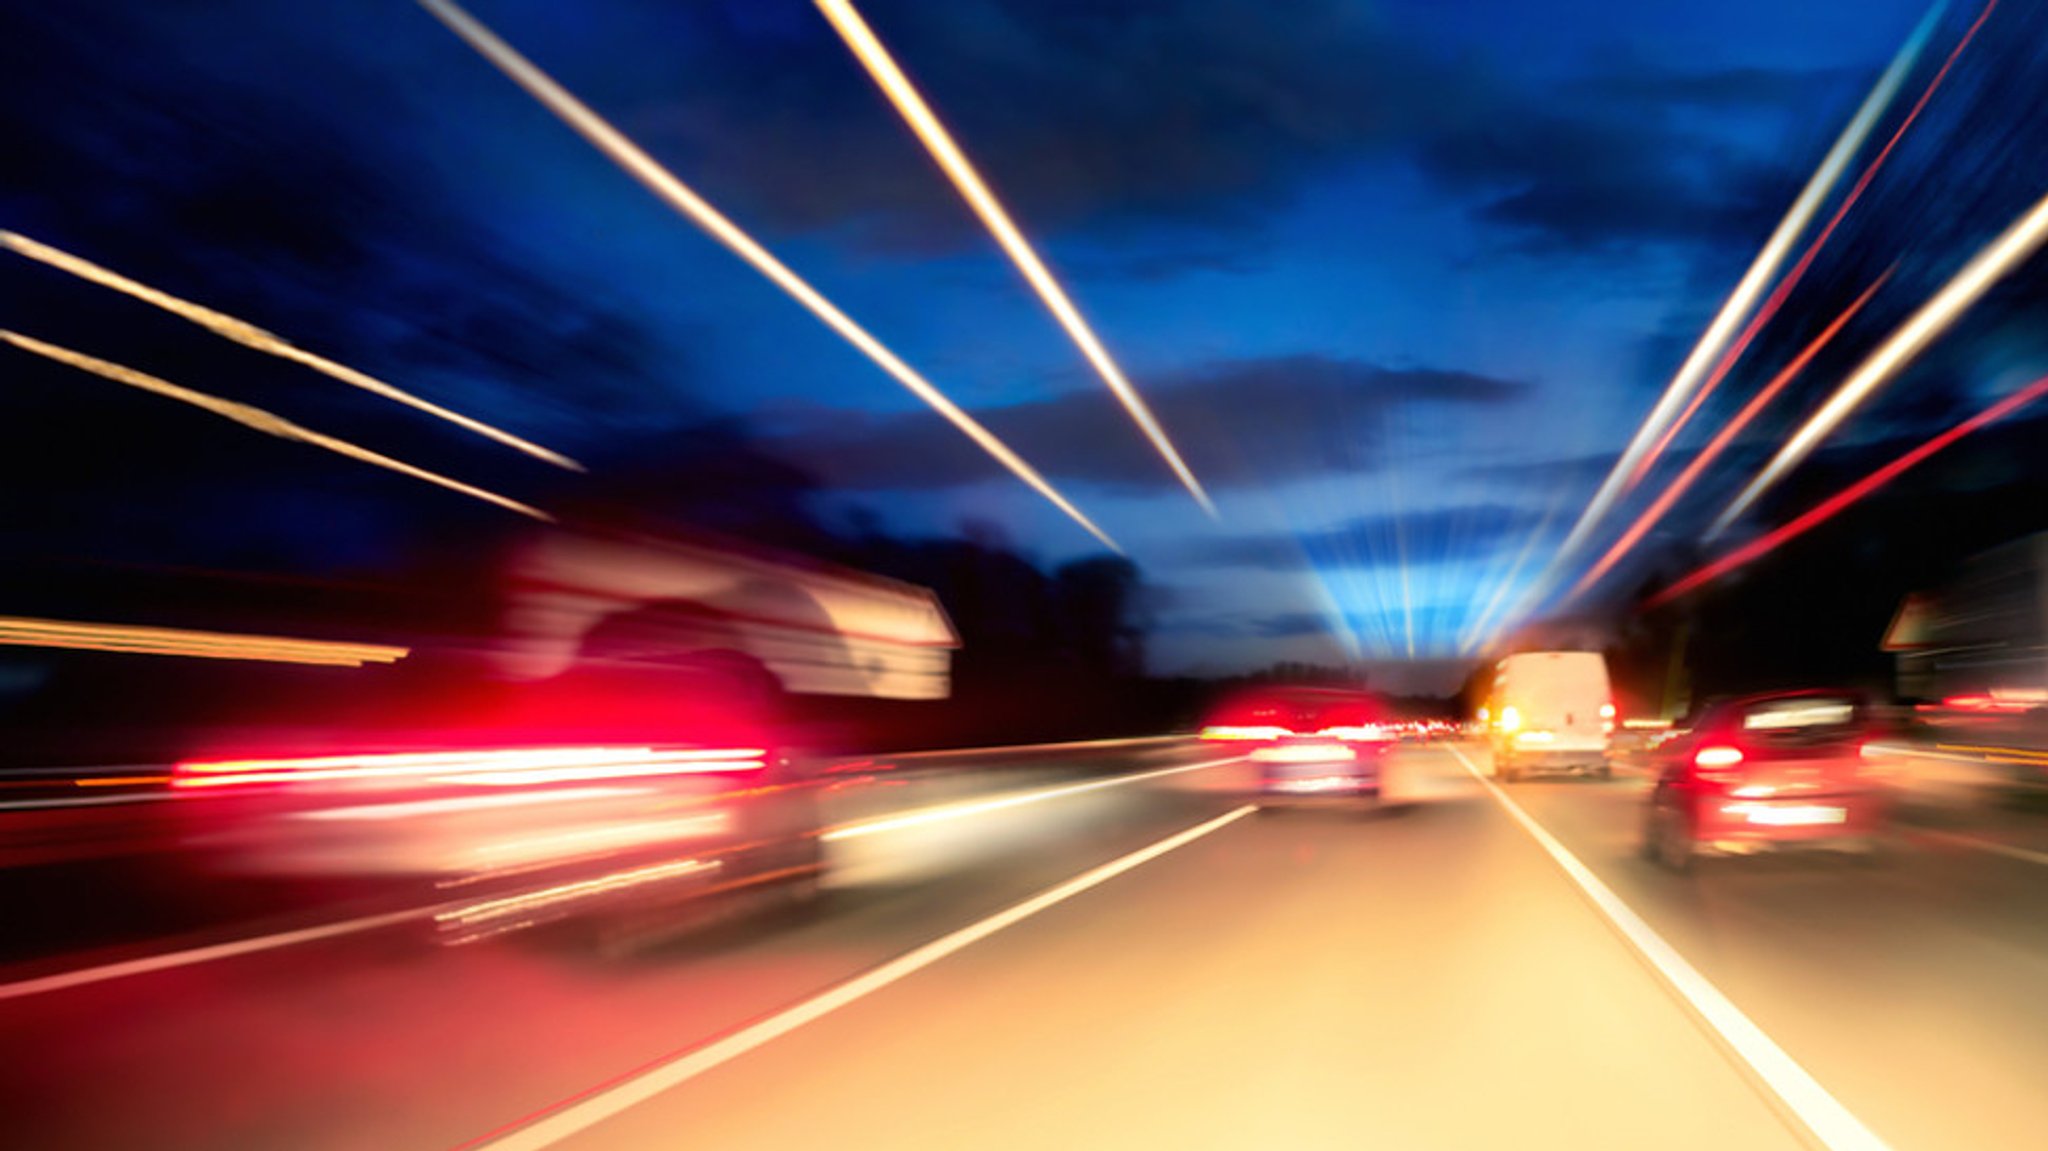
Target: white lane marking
{"points": [[1819, 1111], [1971, 841], [587, 1113], [948, 811], [173, 959]]}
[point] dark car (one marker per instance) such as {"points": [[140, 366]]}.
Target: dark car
{"points": [[1309, 743], [1780, 770]]}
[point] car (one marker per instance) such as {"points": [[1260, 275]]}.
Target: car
{"points": [[1550, 711], [1309, 743], [1762, 772], [626, 799]]}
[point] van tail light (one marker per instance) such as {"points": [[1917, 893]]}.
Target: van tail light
{"points": [[1717, 763]]}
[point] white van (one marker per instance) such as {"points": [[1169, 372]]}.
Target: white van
{"points": [[1550, 711]]}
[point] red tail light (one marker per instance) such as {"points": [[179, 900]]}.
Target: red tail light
{"points": [[1717, 763]]}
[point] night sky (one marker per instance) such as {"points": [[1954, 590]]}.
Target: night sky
{"points": [[1400, 279]]}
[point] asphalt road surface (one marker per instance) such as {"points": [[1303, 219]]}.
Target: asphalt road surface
{"points": [[1144, 964]]}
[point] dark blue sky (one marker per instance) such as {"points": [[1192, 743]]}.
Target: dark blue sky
{"points": [[1389, 273]]}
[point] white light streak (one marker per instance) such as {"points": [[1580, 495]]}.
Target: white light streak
{"points": [[910, 103], [1751, 286], [637, 163], [2019, 241], [258, 419], [250, 336]]}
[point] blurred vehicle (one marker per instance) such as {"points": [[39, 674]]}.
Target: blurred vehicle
{"points": [[1974, 653], [625, 747], [1550, 711], [1309, 743], [1779, 770]]}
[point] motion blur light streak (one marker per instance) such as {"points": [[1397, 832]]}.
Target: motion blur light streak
{"points": [[251, 336], [515, 907], [595, 842], [880, 65], [512, 766], [1726, 436], [1227, 731], [1835, 504], [260, 420], [16, 631], [410, 809], [1748, 288], [1791, 280], [665, 184], [2001, 256], [951, 811], [1478, 632]]}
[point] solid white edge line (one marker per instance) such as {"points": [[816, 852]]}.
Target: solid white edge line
{"points": [[582, 1116], [173, 959], [940, 813], [1801, 1094]]}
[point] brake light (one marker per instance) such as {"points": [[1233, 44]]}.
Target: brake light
{"points": [[1606, 711], [1606, 719], [1717, 757], [1510, 719], [1716, 762]]}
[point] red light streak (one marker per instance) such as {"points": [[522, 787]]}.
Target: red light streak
{"points": [[1678, 487], [1834, 505], [499, 767], [1777, 297]]}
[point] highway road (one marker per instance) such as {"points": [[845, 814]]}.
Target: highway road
{"points": [[1149, 963]]}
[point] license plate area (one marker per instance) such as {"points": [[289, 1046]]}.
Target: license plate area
{"points": [[1788, 814]]}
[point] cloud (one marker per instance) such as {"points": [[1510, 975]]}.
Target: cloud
{"points": [[1438, 534], [1239, 422]]}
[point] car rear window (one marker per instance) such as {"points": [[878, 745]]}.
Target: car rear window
{"points": [[1802, 719]]}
